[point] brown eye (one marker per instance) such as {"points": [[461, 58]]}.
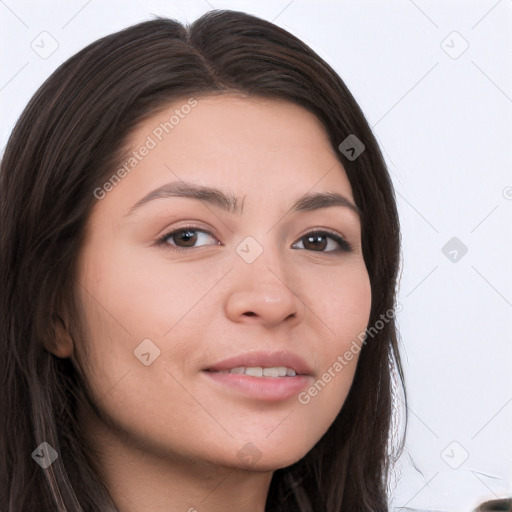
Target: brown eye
{"points": [[317, 241], [184, 238]]}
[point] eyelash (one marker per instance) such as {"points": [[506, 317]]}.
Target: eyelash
{"points": [[344, 245]]}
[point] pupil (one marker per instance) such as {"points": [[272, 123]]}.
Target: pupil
{"points": [[315, 240], [191, 237]]}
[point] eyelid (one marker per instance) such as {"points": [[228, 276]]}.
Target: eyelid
{"points": [[162, 240], [344, 245]]}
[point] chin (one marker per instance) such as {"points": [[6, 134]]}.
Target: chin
{"points": [[269, 457]]}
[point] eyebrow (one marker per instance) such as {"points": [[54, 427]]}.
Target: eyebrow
{"points": [[232, 204]]}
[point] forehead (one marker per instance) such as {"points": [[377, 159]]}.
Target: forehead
{"points": [[227, 118], [265, 148], [232, 135]]}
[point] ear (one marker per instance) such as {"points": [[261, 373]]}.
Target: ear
{"points": [[58, 340]]}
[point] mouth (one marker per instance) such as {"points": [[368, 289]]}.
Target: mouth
{"points": [[268, 376], [264, 364], [259, 371]]}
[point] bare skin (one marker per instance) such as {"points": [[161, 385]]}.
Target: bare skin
{"points": [[177, 439]]}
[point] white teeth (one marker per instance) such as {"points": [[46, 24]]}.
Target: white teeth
{"points": [[282, 371], [270, 372], [258, 371]]}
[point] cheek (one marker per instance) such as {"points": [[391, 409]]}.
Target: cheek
{"points": [[341, 300], [146, 292], [343, 306], [125, 302]]}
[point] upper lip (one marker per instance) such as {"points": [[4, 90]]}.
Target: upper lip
{"points": [[264, 359]]}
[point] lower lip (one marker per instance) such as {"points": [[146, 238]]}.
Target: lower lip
{"points": [[270, 389]]}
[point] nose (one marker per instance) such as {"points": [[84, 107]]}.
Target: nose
{"points": [[262, 292]]}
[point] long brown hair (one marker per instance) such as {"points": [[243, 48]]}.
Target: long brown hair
{"points": [[67, 142]]}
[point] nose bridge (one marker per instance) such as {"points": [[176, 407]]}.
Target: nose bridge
{"points": [[262, 286], [262, 257]]}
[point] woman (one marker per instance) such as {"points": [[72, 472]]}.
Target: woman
{"points": [[200, 247]]}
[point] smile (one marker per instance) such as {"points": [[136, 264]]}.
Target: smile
{"points": [[259, 371]]}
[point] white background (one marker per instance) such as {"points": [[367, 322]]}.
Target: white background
{"points": [[443, 119]]}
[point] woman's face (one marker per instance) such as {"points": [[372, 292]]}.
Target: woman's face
{"points": [[165, 314]]}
